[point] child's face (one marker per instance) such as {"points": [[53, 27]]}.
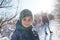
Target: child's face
{"points": [[26, 21]]}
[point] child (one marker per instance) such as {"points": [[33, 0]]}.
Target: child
{"points": [[24, 27]]}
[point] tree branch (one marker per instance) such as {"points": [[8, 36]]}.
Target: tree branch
{"points": [[1, 2], [5, 6], [9, 19]]}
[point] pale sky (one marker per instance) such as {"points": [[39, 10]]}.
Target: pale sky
{"points": [[37, 6]]}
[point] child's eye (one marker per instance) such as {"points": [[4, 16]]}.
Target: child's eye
{"points": [[24, 19], [29, 19]]}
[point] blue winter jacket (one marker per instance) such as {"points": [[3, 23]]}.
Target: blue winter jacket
{"points": [[22, 33]]}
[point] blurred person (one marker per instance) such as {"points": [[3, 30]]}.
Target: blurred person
{"points": [[45, 21]]}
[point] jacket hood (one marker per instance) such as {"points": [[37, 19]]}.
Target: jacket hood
{"points": [[25, 13]]}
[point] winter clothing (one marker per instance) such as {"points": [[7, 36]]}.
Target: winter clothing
{"points": [[45, 19], [46, 24], [25, 13], [22, 33]]}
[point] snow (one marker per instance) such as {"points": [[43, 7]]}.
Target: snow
{"points": [[54, 36]]}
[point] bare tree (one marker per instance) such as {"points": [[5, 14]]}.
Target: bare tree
{"points": [[6, 4], [2, 22], [57, 11], [3, 3], [50, 17]]}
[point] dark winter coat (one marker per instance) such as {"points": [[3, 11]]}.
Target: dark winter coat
{"points": [[22, 33], [45, 19]]}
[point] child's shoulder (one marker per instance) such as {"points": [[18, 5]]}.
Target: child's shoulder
{"points": [[16, 32]]}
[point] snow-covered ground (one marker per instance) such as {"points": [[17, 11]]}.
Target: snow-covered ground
{"points": [[54, 36], [55, 28]]}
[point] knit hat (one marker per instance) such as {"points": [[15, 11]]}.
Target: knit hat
{"points": [[25, 13]]}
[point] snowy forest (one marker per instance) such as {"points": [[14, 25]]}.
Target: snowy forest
{"points": [[9, 15]]}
